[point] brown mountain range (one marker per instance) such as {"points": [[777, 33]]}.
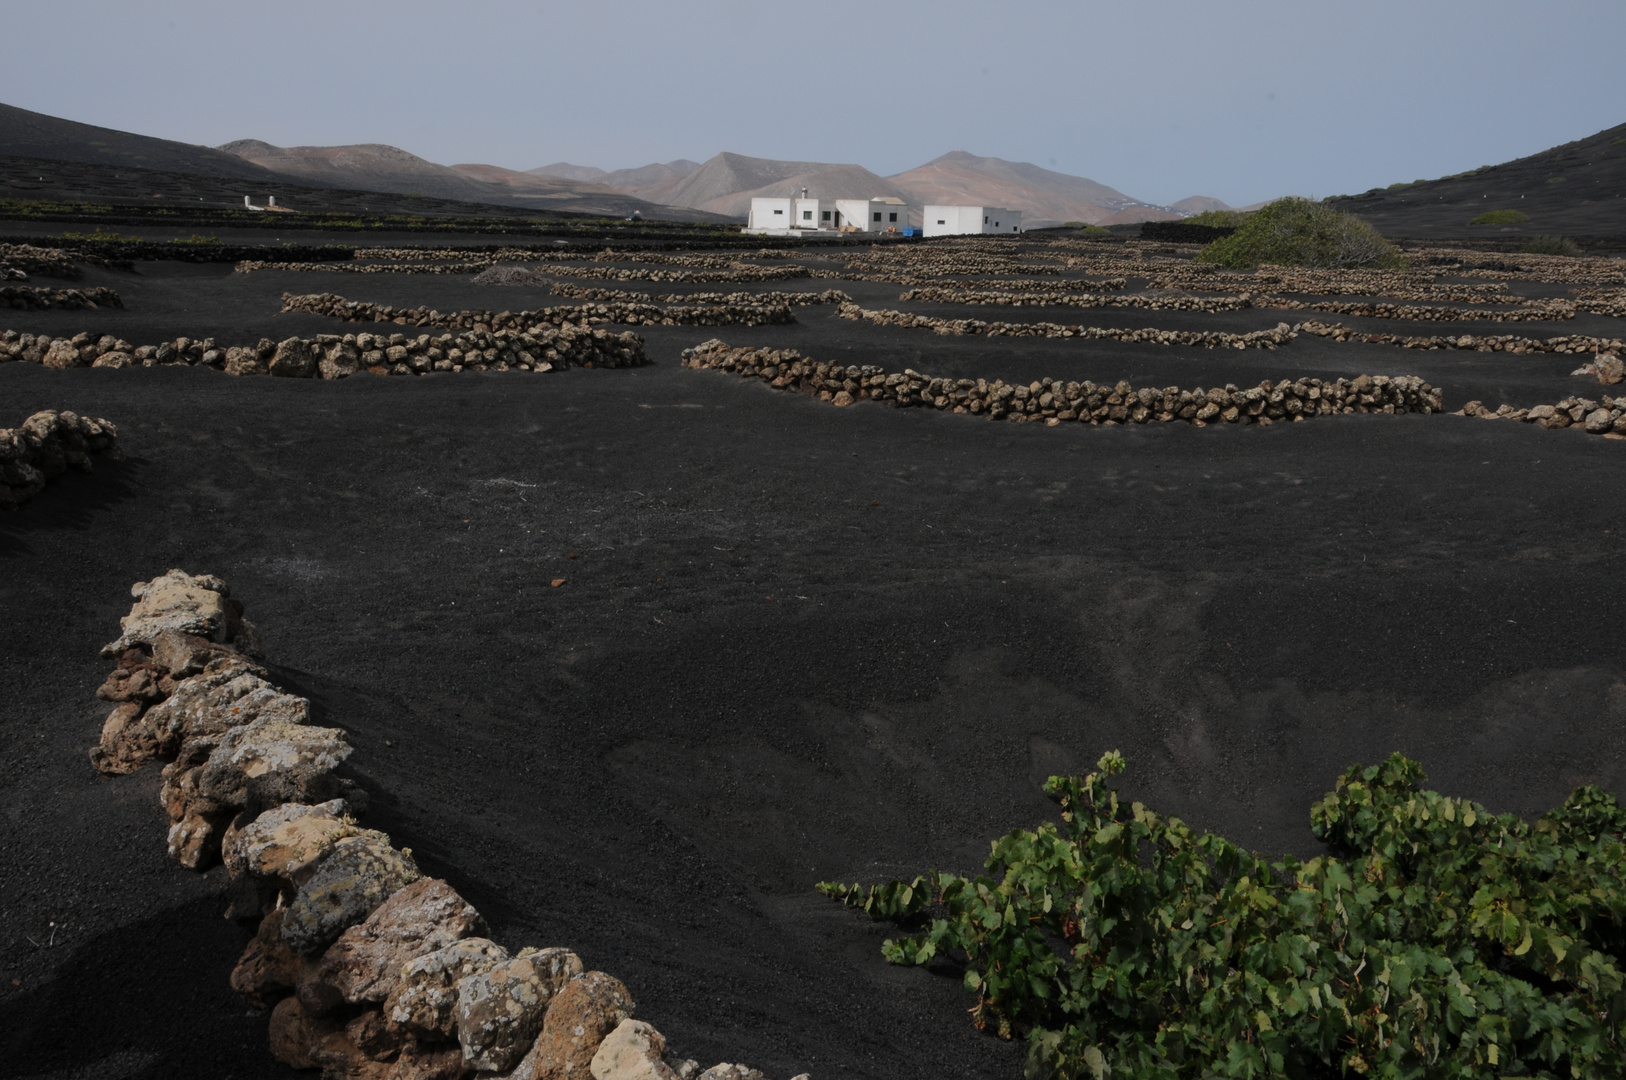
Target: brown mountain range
{"points": [[379, 167]]}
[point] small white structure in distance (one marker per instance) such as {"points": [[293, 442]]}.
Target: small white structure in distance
{"points": [[963, 220]]}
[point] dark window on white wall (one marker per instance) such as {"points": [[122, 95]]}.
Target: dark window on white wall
{"points": [[877, 215], [826, 215], [892, 217]]}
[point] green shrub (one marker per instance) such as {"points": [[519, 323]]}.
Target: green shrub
{"points": [[1436, 940], [1550, 245], [1084, 227], [1500, 217], [1300, 232]]}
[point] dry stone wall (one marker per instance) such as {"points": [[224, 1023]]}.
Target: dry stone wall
{"points": [[30, 298], [335, 356], [249, 266], [337, 307], [369, 969], [1208, 339], [45, 446], [1564, 343], [1605, 417], [27, 259], [748, 299], [1054, 402], [1149, 301]]}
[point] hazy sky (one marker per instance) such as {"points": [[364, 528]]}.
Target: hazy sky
{"points": [[1160, 99]]}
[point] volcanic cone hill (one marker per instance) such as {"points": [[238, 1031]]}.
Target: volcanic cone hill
{"points": [[1577, 189]]}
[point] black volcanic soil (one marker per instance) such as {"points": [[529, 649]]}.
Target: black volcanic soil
{"points": [[794, 643]]}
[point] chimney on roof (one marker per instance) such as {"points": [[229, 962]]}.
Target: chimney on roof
{"points": [[804, 193]]}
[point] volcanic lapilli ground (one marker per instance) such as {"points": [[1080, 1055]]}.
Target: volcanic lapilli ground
{"points": [[795, 642]]}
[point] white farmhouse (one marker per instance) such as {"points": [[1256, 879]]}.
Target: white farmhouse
{"points": [[960, 220]]}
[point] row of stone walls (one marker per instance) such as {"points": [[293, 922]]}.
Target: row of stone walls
{"points": [[370, 969]]}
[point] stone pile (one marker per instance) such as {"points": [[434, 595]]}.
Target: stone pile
{"points": [[1564, 344], [509, 275], [1208, 339], [1607, 368], [1150, 301], [1054, 402], [1606, 417], [47, 445], [747, 299], [337, 307], [46, 262], [335, 356], [370, 970], [30, 298]]}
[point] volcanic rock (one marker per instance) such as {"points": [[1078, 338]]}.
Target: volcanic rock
{"points": [[284, 842], [633, 1051], [500, 1010], [578, 1019], [346, 886], [181, 602], [268, 968], [365, 963], [278, 760], [425, 994]]}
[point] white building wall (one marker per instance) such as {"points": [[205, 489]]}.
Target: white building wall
{"points": [[770, 213], [813, 214], [940, 220], [854, 213]]}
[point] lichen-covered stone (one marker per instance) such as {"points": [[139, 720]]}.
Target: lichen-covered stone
{"points": [[425, 994], [579, 1017], [280, 760], [199, 605], [229, 692], [428, 915], [287, 840], [500, 1010], [346, 885]]}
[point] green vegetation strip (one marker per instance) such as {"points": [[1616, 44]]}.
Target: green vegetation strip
{"points": [[1436, 940]]}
